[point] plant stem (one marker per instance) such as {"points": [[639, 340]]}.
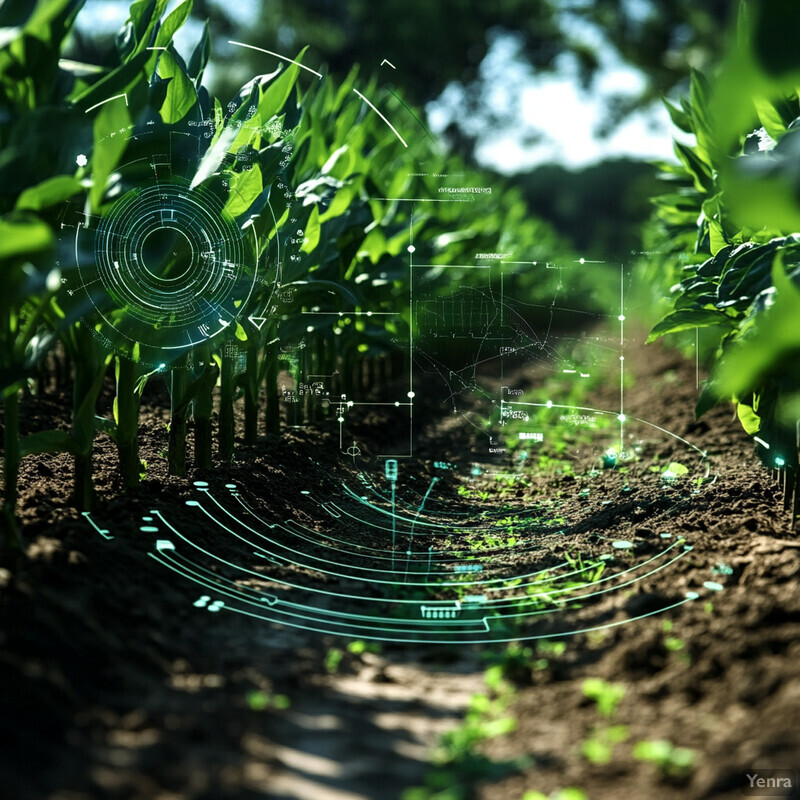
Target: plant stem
{"points": [[226, 431], [176, 450], [251, 391], [127, 412], [273, 413], [90, 370], [203, 406]]}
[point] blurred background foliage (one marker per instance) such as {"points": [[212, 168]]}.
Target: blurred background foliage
{"points": [[471, 67]]}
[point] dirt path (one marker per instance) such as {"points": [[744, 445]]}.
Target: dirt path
{"points": [[116, 686]]}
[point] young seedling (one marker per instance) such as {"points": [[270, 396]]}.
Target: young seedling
{"points": [[674, 763]]}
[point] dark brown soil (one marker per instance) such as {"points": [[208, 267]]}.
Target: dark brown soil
{"points": [[116, 686]]}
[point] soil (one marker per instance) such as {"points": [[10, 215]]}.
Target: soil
{"points": [[115, 685]]}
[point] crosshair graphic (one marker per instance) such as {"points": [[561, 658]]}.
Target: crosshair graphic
{"points": [[174, 260], [173, 257]]}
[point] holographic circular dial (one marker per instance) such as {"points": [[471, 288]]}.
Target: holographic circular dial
{"points": [[173, 264]]}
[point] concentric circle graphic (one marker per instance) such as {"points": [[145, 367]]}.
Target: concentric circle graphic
{"points": [[174, 260]]}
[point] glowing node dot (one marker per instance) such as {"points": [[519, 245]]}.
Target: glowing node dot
{"points": [[713, 586], [583, 261], [621, 417], [349, 403], [310, 329], [621, 318], [412, 395], [81, 160], [549, 403], [341, 313], [341, 419], [369, 313], [622, 358], [692, 595], [397, 402], [412, 249]]}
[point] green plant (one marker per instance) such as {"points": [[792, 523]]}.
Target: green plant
{"points": [[569, 793], [333, 659], [731, 219], [258, 700], [599, 747], [674, 763], [458, 762], [607, 696]]}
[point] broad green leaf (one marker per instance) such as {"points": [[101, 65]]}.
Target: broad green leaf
{"points": [[245, 188], [115, 82], [109, 145], [181, 95], [751, 422], [688, 319], [699, 169], [200, 56], [769, 343], [680, 119], [49, 193], [171, 25], [770, 118], [312, 231], [23, 236], [277, 93]]}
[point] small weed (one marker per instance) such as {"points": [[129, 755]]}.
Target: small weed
{"points": [[675, 763], [261, 701], [607, 696], [568, 793], [333, 659]]}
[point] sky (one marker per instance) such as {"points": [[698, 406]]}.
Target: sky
{"points": [[551, 119]]}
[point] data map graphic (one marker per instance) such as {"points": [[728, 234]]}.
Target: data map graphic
{"points": [[481, 391]]}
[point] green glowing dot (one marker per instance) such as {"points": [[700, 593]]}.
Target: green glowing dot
{"points": [[621, 544], [305, 491], [713, 586]]}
